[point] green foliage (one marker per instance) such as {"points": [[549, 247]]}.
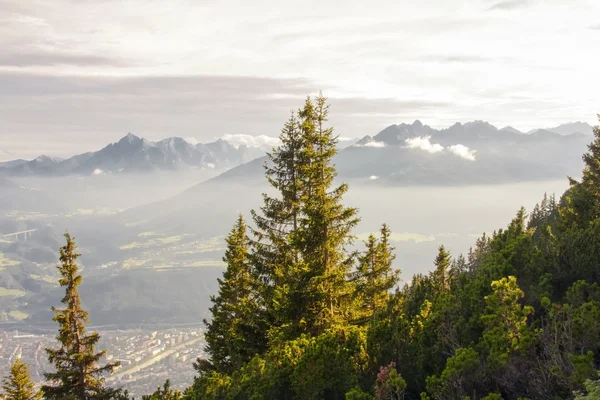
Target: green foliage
{"points": [[505, 322], [18, 385], [389, 385], [77, 374], [460, 376], [375, 276], [301, 235], [330, 366], [493, 396], [582, 205], [301, 316], [515, 319], [164, 393], [324, 228], [441, 275], [358, 394], [592, 391], [236, 332]]}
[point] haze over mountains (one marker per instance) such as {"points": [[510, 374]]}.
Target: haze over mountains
{"points": [[141, 208], [404, 153], [471, 153]]}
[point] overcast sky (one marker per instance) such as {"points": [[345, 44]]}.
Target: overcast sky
{"points": [[77, 74]]}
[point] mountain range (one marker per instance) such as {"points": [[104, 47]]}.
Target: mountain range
{"points": [[471, 153], [474, 152], [135, 154], [408, 155]]}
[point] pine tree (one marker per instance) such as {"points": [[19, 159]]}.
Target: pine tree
{"points": [[235, 334], [441, 274], [77, 375], [583, 200], [325, 226], [375, 273], [301, 235], [18, 385], [274, 256]]}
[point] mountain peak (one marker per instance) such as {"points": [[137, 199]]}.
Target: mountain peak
{"points": [[511, 129], [573, 127], [130, 138], [47, 159], [480, 123], [221, 145], [364, 141]]}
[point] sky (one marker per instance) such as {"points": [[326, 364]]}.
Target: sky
{"points": [[78, 74]]}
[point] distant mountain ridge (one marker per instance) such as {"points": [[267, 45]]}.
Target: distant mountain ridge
{"points": [[410, 155], [414, 146], [570, 128], [135, 154], [462, 154]]}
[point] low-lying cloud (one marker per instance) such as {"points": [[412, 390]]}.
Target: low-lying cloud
{"points": [[463, 151], [260, 141], [374, 144], [424, 143]]}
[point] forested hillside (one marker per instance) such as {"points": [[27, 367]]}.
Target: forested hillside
{"points": [[299, 315]]}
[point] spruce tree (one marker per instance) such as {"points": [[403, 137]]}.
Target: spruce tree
{"points": [[376, 277], [18, 385], [583, 200], [301, 235], [235, 334], [325, 227], [441, 274], [77, 374], [275, 255]]}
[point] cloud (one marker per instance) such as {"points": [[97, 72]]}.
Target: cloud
{"points": [[424, 143], [43, 58], [595, 27], [260, 141], [375, 60], [191, 140], [265, 142], [383, 106], [510, 5], [374, 144], [67, 114], [457, 58], [463, 151], [98, 171], [373, 177]]}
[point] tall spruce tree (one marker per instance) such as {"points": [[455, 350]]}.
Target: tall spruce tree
{"points": [[77, 374], [583, 202], [325, 227], [275, 256], [441, 274], [376, 277], [235, 334], [18, 385]]}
